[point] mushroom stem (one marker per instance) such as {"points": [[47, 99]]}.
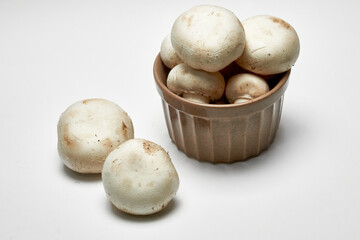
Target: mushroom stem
{"points": [[196, 98], [243, 98]]}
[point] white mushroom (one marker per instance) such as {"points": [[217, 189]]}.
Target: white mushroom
{"points": [[168, 54], [208, 37], [272, 45], [88, 131], [244, 87], [195, 85], [139, 177]]}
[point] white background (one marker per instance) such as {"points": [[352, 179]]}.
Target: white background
{"points": [[53, 53]]}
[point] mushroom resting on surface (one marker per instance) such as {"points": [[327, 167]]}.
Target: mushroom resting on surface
{"points": [[139, 177], [195, 85], [244, 87], [272, 45], [168, 54], [208, 37], [88, 131]]}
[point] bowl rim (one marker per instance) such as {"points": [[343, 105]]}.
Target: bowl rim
{"points": [[263, 100]]}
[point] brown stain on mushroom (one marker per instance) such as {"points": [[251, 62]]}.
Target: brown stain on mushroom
{"points": [[86, 101], [67, 141], [150, 147], [124, 129], [66, 137], [107, 143], [281, 22], [189, 20]]}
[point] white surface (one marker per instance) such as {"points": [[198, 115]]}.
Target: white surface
{"points": [[53, 53]]}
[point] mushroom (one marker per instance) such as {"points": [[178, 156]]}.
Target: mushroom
{"points": [[168, 54], [244, 87], [195, 85], [88, 131], [272, 45], [139, 177], [208, 37]]}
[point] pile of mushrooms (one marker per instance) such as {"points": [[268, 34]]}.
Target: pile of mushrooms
{"points": [[97, 136], [211, 54]]}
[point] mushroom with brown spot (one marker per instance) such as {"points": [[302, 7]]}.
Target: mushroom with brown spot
{"points": [[88, 131], [272, 45], [244, 87], [195, 85], [139, 177], [208, 37]]}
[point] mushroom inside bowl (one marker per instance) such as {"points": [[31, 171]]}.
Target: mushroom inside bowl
{"points": [[221, 132]]}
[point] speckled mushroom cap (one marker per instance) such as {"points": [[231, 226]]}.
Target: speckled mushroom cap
{"points": [[272, 45], [195, 85], [88, 131], [139, 177], [208, 37]]}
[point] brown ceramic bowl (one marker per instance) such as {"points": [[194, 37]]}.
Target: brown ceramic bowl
{"points": [[221, 133]]}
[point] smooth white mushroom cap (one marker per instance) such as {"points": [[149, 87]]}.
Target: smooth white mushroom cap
{"points": [[244, 87], [168, 54], [272, 45], [88, 131], [139, 177], [195, 85], [208, 37]]}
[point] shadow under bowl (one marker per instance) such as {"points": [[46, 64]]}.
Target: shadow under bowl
{"points": [[221, 133]]}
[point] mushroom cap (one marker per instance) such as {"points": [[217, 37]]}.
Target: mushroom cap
{"points": [[208, 37], [139, 177], [168, 54], [88, 131], [272, 45], [245, 86], [183, 79]]}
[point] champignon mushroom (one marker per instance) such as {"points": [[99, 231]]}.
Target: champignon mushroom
{"points": [[272, 45], [168, 54], [195, 85], [208, 37], [139, 177], [88, 131], [244, 87]]}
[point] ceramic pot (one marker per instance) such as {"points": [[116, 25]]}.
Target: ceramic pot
{"points": [[221, 133]]}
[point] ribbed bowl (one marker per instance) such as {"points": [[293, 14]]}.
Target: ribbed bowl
{"points": [[221, 133]]}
